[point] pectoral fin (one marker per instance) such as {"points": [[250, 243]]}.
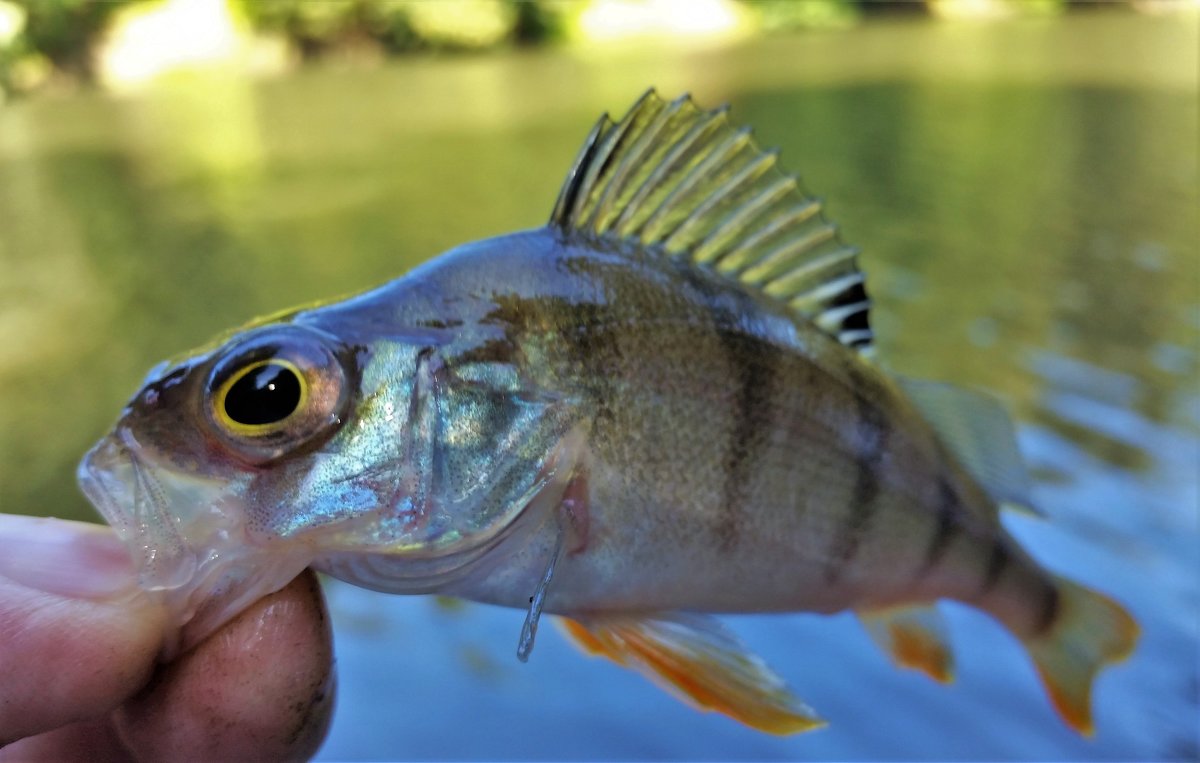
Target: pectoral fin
{"points": [[702, 663], [915, 637]]}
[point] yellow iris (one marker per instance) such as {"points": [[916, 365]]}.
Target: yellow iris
{"points": [[240, 429]]}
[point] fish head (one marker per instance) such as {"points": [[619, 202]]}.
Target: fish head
{"points": [[181, 475], [288, 445]]}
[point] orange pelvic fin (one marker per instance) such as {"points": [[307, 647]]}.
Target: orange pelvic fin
{"points": [[914, 636], [1089, 632], [701, 662]]}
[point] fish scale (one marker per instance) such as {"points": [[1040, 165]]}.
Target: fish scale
{"points": [[661, 404]]}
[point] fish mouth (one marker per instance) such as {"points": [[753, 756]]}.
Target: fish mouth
{"points": [[186, 535], [132, 499]]}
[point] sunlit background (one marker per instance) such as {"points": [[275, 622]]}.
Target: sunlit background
{"points": [[1021, 175]]}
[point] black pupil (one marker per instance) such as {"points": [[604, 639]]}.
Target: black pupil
{"points": [[266, 395]]}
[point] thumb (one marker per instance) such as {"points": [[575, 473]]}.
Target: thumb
{"points": [[77, 635]]}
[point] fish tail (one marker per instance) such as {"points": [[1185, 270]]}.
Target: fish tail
{"points": [[1089, 632]]}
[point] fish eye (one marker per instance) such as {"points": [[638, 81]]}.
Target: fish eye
{"points": [[275, 393], [262, 394]]}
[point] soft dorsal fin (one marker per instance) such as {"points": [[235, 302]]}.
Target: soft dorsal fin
{"points": [[977, 430], [676, 178]]}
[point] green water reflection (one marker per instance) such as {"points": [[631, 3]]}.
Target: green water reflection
{"points": [[1027, 206]]}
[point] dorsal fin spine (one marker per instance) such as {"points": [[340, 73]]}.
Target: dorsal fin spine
{"points": [[637, 151], [774, 265], [600, 160], [570, 191], [831, 319], [657, 221], [664, 168], [805, 269], [856, 338], [795, 215], [673, 180], [712, 249], [824, 292], [749, 172]]}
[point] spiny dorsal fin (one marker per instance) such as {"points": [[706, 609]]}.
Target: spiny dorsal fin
{"points": [[673, 177]]}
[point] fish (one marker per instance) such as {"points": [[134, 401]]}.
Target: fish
{"points": [[661, 406]]}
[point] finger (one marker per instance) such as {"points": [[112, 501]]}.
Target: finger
{"points": [[77, 636], [261, 688], [91, 741]]}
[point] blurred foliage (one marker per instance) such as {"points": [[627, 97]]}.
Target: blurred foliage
{"points": [[785, 15], [59, 40], [401, 26], [50, 36]]}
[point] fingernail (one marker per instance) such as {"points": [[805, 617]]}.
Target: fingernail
{"points": [[72, 559]]}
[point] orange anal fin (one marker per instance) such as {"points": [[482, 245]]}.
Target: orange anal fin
{"points": [[1089, 632], [915, 637], [584, 639], [697, 659]]}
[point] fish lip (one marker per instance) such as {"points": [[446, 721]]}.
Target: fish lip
{"points": [[186, 536], [93, 487], [90, 476], [123, 486]]}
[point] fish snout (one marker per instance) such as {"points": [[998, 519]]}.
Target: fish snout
{"points": [[104, 477], [186, 534]]}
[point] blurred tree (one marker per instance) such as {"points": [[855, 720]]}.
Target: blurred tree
{"points": [[462, 24], [12, 24], [401, 26], [539, 22], [389, 23], [65, 31], [39, 38], [315, 27], [783, 15]]}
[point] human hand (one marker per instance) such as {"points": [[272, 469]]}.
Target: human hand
{"points": [[79, 678]]}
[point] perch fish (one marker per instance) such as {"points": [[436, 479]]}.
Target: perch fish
{"points": [[661, 405]]}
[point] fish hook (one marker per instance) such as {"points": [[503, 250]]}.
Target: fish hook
{"points": [[529, 629]]}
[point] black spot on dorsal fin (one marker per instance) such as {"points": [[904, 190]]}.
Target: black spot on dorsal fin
{"points": [[672, 177]]}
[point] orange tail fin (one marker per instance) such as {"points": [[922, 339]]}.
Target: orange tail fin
{"points": [[1091, 631]]}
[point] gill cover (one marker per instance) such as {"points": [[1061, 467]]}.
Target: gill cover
{"points": [[470, 459]]}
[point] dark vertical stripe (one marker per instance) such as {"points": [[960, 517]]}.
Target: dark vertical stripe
{"points": [[1048, 613], [945, 529], [755, 367], [871, 436], [997, 562], [583, 339], [595, 345]]}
